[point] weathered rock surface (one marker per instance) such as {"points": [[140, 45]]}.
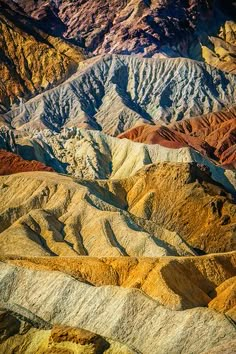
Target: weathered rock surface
{"points": [[174, 28], [93, 155], [222, 53], [31, 61], [177, 283], [228, 347], [213, 135], [225, 299], [48, 214], [54, 215], [33, 335], [170, 195], [141, 90], [11, 163], [124, 315]]}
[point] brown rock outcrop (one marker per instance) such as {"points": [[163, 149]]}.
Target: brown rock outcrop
{"points": [[31, 61], [12, 163], [213, 135], [121, 26], [131, 26]]}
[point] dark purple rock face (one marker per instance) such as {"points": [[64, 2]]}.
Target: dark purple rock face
{"points": [[130, 26]]}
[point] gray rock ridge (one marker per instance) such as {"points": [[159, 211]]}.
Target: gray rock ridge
{"points": [[115, 92], [122, 314]]}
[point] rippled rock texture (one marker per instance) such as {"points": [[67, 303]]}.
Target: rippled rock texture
{"points": [[115, 92], [149, 214], [126, 315]]}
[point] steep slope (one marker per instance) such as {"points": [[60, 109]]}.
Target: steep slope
{"points": [[222, 51], [213, 135], [124, 315], [175, 28], [11, 163], [141, 90], [55, 215], [94, 155], [177, 283], [225, 299], [171, 194], [31, 61], [28, 335], [47, 214]]}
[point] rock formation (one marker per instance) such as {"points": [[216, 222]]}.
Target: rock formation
{"points": [[141, 91], [94, 155], [212, 135], [133, 216], [117, 176], [125, 315], [177, 283], [11, 163], [223, 48], [225, 299], [26, 335], [31, 61], [172, 28]]}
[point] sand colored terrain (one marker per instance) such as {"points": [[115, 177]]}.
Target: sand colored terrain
{"points": [[212, 135], [122, 243], [223, 53], [47, 214], [11, 163], [23, 335], [225, 299], [31, 61], [177, 283], [88, 154], [52, 216], [126, 315]]}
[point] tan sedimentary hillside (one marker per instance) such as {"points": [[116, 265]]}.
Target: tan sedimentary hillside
{"points": [[175, 282], [222, 51], [213, 135], [33, 335], [170, 194], [124, 315], [47, 214], [94, 155], [31, 61], [90, 154], [149, 214], [225, 298]]}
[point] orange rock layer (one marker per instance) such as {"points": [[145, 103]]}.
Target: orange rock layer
{"points": [[11, 163], [213, 135]]}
